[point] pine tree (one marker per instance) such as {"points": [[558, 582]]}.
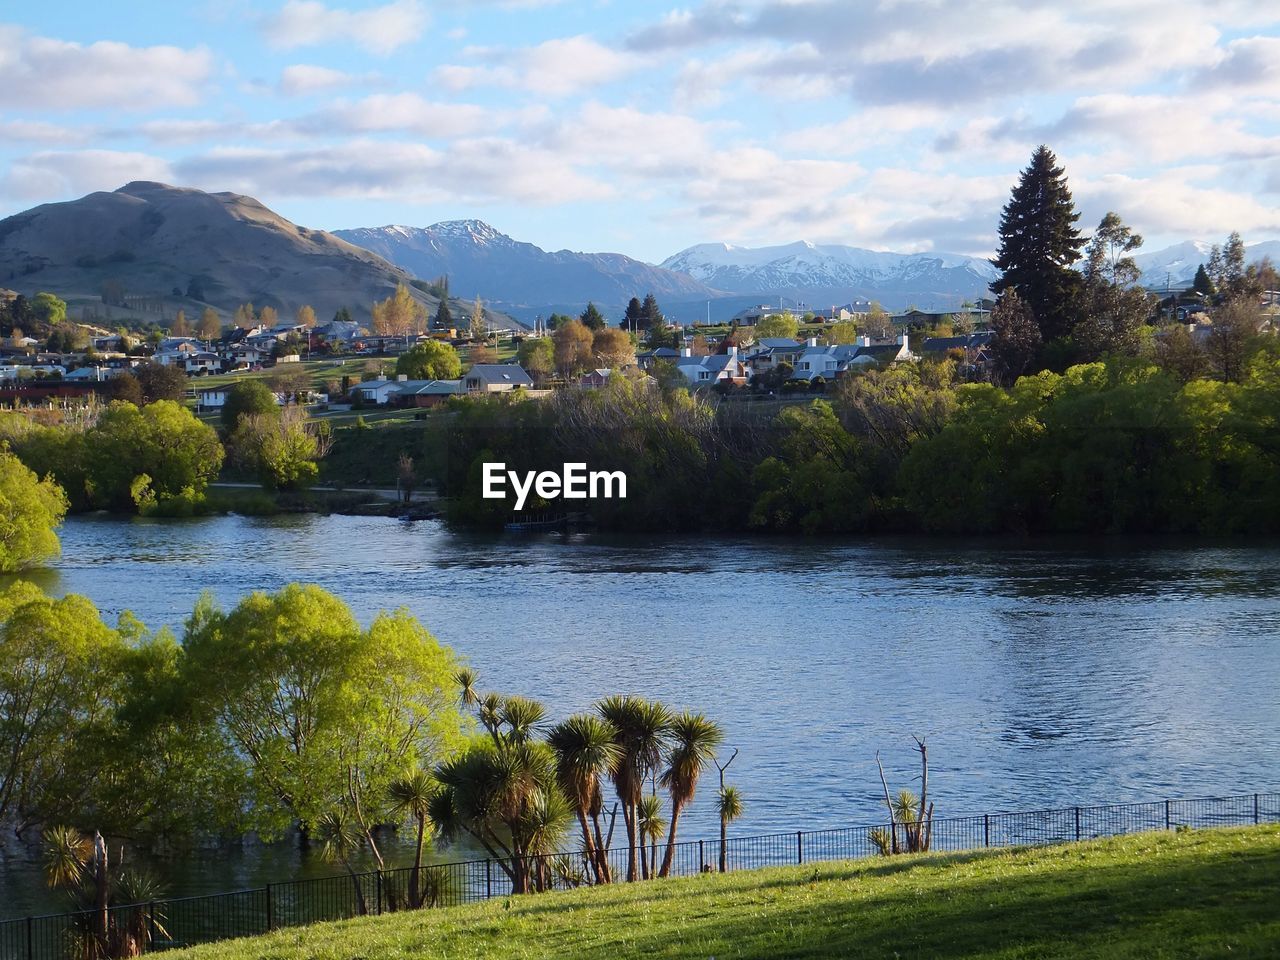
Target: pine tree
{"points": [[650, 313], [631, 320], [592, 318], [1202, 284], [1038, 244]]}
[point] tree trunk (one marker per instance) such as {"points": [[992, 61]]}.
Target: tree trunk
{"points": [[602, 851], [588, 844], [724, 826], [669, 856], [415, 896], [633, 864]]}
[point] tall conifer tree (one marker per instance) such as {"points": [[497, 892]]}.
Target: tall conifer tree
{"points": [[1038, 244]]}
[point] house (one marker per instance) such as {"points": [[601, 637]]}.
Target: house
{"points": [[431, 394], [495, 378], [199, 362], [214, 398], [712, 369], [380, 392], [768, 353], [595, 379], [646, 360], [829, 361], [94, 373], [975, 358]]}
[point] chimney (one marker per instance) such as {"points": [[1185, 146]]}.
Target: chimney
{"points": [[864, 341], [732, 350], [686, 352], [902, 339], [811, 342], [401, 377]]}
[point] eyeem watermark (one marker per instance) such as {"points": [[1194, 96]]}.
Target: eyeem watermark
{"points": [[574, 482]]}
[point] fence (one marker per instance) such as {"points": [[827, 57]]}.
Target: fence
{"points": [[191, 920]]}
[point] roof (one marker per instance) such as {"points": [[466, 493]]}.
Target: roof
{"points": [[500, 373], [434, 388], [780, 343], [967, 341]]}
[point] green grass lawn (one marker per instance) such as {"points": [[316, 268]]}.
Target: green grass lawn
{"points": [[1211, 893]]}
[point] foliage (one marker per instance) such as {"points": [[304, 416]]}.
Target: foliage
{"points": [[781, 325], [160, 382], [1039, 243], [612, 348], [282, 447], [248, 397], [537, 356], [398, 315], [593, 319], [572, 343], [49, 309], [31, 509], [1115, 305], [1016, 336], [430, 360]]}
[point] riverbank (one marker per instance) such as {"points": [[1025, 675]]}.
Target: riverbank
{"points": [[1192, 894]]}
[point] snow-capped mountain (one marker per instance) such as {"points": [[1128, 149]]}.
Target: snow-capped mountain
{"points": [[480, 260], [1176, 266], [822, 274]]}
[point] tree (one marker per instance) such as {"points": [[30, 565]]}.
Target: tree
{"points": [[48, 308], [342, 315], [586, 754], [1178, 352], [846, 331], [641, 735], [412, 795], [1202, 284], [481, 353], [781, 325], [399, 314], [323, 715], [268, 317], [247, 398], [430, 360], [31, 510], [633, 318], [650, 313], [1016, 335], [592, 318], [1039, 243], [210, 325], [138, 459], [1235, 325], [281, 447], [538, 357], [305, 316], [161, 382], [444, 316], [1115, 306], [1232, 281], [612, 348], [694, 740], [180, 328], [573, 343], [478, 327]]}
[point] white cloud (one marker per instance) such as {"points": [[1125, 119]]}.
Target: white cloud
{"points": [[554, 68], [406, 112], [40, 73], [40, 131], [57, 174], [379, 30], [302, 79]]}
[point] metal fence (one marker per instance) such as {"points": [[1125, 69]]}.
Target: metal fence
{"points": [[191, 920]]}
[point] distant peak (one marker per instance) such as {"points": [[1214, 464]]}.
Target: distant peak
{"points": [[476, 229]]}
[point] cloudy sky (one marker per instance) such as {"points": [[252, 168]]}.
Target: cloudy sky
{"points": [[645, 127]]}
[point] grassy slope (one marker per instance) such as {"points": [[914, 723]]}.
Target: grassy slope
{"points": [[1198, 894]]}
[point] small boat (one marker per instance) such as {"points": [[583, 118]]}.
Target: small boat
{"points": [[528, 523]]}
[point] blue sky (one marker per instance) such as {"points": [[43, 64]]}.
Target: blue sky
{"points": [[645, 127]]}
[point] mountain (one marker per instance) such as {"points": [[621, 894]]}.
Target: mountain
{"points": [[1176, 265], [520, 277], [153, 239], [832, 274]]}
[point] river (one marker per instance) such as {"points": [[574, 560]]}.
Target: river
{"points": [[1041, 673]]}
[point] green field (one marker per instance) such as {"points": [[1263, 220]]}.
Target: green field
{"points": [[1210, 893]]}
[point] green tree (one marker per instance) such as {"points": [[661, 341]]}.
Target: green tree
{"points": [[31, 510], [444, 316], [245, 398], [1235, 326], [139, 459], [537, 355], [633, 317], [587, 753], [478, 328], [319, 711], [781, 325], [281, 447], [592, 318], [430, 360], [1202, 284], [412, 795], [160, 382], [1115, 305], [642, 729], [694, 741], [650, 313], [49, 308], [729, 808], [1039, 243], [1016, 335]]}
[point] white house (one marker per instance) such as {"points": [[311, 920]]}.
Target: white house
{"points": [[715, 368]]}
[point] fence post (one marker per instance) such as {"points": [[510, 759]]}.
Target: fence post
{"points": [[1255, 809], [270, 918], [151, 924], [799, 847], [379, 876], [488, 879], [702, 857], [1077, 823], [1166, 815], [986, 829]]}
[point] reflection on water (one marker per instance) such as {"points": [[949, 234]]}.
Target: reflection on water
{"points": [[1042, 674]]}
